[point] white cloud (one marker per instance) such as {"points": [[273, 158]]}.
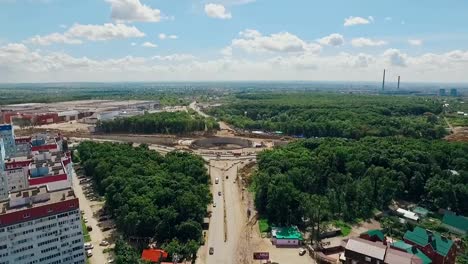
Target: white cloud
{"points": [[217, 11], [133, 10], [53, 38], [365, 42], [395, 57], [175, 57], [334, 39], [226, 52], [163, 36], [21, 64], [104, 32], [63, 26], [415, 42], [148, 44], [78, 32], [133, 44], [352, 21], [253, 41]]}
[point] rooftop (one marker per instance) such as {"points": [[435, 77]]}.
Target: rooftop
{"points": [[34, 197], [286, 233], [153, 255], [369, 248], [412, 250], [394, 256], [424, 237], [375, 232], [457, 221]]}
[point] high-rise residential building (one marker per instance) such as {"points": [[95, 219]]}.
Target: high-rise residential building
{"points": [[8, 135], [41, 226], [442, 92], [453, 92]]}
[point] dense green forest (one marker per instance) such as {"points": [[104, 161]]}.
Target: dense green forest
{"points": [[328, 179], [159, 123], [335, 115], [149, 195], [50, 93]]}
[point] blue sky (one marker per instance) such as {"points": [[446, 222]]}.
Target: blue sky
{"points": [[151, 40]]}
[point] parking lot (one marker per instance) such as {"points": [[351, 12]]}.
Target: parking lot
{"points": [[101, 226]]}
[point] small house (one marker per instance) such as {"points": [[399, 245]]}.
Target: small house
{"points": [[286, 236], [373, 235]]}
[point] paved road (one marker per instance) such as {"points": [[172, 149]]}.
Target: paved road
{"points": [[228, 217], [96, 235]]}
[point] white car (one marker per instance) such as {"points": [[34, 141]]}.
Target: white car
{"points": [[88, 246], [89, 253], [214, 204], [104, 243]]}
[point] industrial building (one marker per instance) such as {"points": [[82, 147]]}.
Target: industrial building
{"points": [[88, 111]]}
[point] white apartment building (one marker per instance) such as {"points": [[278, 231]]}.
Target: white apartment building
{"points": [[41, 226]]}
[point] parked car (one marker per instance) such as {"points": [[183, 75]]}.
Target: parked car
{"points": [[110, 260], [88, 246], [302, 251], [89, 228], [89, 253], [214, 204], [216, 180], [85, 219], [104, 243], [211, 250], [219, 193], [103, 218]]}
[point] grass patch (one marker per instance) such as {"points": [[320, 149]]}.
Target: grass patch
{"points": [[263, 225], [345, 228], [87, 236]]}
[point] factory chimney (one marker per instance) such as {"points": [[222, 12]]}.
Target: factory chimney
{"points": [[383, 82], [398, 87]]}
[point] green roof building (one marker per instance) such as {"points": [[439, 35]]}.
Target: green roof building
{"points": [[429, 243], [455, 223], [373, 235], [421, 211], [412, 250], [286, 236]]}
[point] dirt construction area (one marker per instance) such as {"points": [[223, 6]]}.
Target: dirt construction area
{"points": [[459, 134]]}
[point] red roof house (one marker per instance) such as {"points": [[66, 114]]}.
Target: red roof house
{"points": [[153, 255]]}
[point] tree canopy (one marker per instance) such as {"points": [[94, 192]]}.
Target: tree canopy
{"points": [[159, 123], [335, 115], [358, 176], [149, 195]]}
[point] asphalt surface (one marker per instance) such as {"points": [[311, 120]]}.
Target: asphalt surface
{"points": [[228, 218]]}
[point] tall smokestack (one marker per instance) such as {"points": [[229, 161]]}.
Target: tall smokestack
{"points": [[383, 82], [398, 87]]}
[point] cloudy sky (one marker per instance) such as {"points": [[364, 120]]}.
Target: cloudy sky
{"points": [[180, 40]]}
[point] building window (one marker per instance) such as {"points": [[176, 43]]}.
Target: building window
{"points": [[368, 259], [26, 215]]}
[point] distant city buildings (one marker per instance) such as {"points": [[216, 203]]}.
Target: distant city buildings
{"points": [[453, 92], [40, 220]]}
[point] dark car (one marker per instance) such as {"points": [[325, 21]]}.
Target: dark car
{"points": [[211, 250], [219, 193]]}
